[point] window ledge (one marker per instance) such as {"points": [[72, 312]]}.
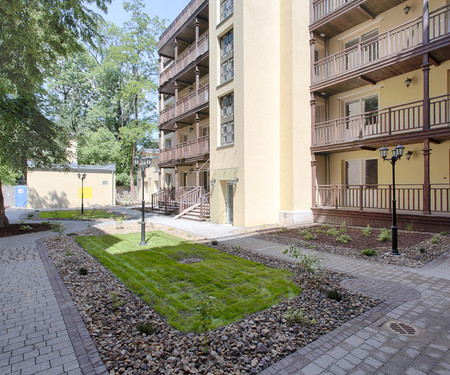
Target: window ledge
{"points": [[224, 20], [224, 84], [218, 148]]}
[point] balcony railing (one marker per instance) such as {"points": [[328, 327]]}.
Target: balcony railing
{"points": [[409, 197], [185, 105], [323, 7], [391, 43], [185, 150], [180, 20], [393, 120], [190, 55]]}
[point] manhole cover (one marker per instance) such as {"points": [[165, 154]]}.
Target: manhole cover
{"points": [[190, 260], [403, 328]]}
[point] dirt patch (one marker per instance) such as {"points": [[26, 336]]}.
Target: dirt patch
{"points": [[16, 229]]}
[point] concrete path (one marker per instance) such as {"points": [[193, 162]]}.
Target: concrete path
{"points": [[42, 332]]}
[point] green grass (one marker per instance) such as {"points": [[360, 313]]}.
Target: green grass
{"points": [[241, 287], [75, 214]]}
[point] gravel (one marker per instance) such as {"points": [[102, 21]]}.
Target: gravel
{"points": [[111, 313]]}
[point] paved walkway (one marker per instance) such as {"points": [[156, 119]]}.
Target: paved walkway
{"points": [[41, 331]]}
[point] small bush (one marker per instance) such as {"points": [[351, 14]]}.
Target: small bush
{"points": [[294, 317], [145, 327], [435, 239], [83, 271], [332, 232], [26, 228], [443, 234], [283, 230], [343, 238], [117, 303], [214, 242], [422, 250], [308, 263], [326, 226], [307, 235], [385, 235], [343, 228], [409, 226], [334, 294], [29, 216], [367, 231], [319, 231], [369, 252], [57, 227]]}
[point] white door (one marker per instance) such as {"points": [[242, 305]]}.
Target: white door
{"points": [[229, 202]]}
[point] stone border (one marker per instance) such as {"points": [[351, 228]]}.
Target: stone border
{"points": [[84, 347]]}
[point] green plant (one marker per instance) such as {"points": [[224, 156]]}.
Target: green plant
{"points": [[283, 230], [68, 252], [214, 242], [57, 227], [332, 232], [326, 226], [205, 308], [307, 235], [385, 235], [343, 238], [443, 234], [409, 226], [22, 222], [145, 327], [367, 231], [309, 263], [72, 234], [343, 228], [26, 228], [116, 302], [319, 231], [82, 271], [334, 294], [422, 250], [435, 239], [369, 252], [298, 316], [29, 216], [120, 220]]}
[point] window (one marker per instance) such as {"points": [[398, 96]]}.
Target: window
{"points": [[226, 8], [205, 131], [369, 50], [227, 120], [226, 57]]}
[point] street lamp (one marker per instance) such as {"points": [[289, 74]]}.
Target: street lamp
{"points": [[143, 162], [397, 154], [82, 177]]}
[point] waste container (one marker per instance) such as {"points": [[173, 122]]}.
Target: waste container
{"points": [[20, 196]]}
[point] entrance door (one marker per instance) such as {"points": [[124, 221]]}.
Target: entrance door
{"points": [[229, 202]]}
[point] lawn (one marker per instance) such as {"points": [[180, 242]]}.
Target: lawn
{"points": [[154, 272], [75, 214]]}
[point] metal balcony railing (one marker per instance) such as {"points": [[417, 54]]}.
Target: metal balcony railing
{"points": [[391, 43], [393, 120]]}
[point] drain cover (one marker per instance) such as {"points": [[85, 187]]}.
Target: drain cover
{"points": [[403, 328]]}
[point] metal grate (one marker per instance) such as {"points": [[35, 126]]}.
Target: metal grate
{"points": [[402, 328]]}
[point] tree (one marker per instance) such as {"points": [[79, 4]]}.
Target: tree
{"points": [[33, 34]]}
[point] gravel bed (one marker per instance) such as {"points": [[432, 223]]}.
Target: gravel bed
{"points": [[416, 248], [111, 313]]}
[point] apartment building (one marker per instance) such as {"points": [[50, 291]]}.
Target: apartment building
{"points": [[380, 77], [272, 111]]}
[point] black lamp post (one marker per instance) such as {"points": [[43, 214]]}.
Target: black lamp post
{"points": [[143, 162], [82, 177], [397, 154]]}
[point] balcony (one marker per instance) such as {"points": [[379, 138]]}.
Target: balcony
{"points": [[398, 120], [395, 48], [186, 105], [185, 59], [332, 17], [379, 197], [190, 150]]}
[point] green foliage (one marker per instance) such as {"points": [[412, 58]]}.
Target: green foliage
{"points": [[326, 226], [435, 239], [83, 271], [298, 316], [367, 231], [155, 274], [369, 252], [26, 228], [214, 242], [205, 309], [120, 220], [332, 232], [334, 294], [343, 228], [422, 250], [8, 176], [385, 235], [309, 263], [145, 328], [57, 227], [409, 226], [307, 235], [117, 303], [283, 230], [343, 238]]}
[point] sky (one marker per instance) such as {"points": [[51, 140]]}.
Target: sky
{"points": [[168, 9]]}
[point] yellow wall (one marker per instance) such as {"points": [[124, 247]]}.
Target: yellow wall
{"points": [[54, 189]]}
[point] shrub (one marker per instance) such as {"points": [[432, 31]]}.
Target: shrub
{"points": [[83, 271], [334, 294], [297, 316], [369, 252], [205, 308], [29, 216], [343, 238], [308, 263], [409, 226], [332, 232], [57, 227], [26, 228], [422, 250], [343, 228], [145, 327], [214, 242], [435, 239], [385, 235], [326, 226], [319, 231], [117, 303], [307, 235], [120, 220], [367, 231], [283, 230]]}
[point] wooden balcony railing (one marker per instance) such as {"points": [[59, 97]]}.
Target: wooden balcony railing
{"points": [[382, 47], [185, 150], [409, 197], [186, 104], [393, 120], [188, 56], [180, 20], [323, 7]]}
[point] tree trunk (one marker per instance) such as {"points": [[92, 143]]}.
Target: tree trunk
{"points": [[4, 222]]}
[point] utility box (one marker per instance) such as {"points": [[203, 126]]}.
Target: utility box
{"points": [[20, 196]]}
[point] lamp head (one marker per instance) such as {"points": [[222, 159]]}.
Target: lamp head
{"points": [[383, 152], [399, 150]]}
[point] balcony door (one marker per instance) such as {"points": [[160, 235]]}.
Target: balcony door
{"points": [[229, 202], [358, 126], [360, 55], [361, 172]]}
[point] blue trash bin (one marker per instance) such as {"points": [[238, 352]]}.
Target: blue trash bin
{"points": [[20, 196]]}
